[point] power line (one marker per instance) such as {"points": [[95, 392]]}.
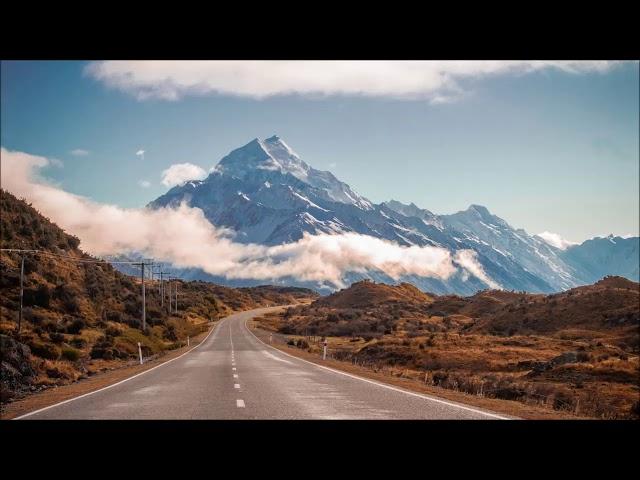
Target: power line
{"points": [[67, 257], [23, 252]]}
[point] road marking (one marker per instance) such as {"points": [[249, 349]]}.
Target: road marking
{"points": [[275, 358], [234, 369], [235, 376], [215, 329], [240, 403], [236, 385], [389, 387]]}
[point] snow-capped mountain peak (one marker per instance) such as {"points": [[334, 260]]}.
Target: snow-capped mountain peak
{"points": [[274, 155]]}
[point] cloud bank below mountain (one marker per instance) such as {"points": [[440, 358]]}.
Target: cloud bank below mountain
{"points": [[184, 237]]}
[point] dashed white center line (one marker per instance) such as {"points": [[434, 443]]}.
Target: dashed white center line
{"points": [[234, 369], [235, 376], [240, 403], [236, 385]]}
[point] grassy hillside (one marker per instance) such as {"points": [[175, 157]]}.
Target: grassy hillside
{"points": [[575, 351], [82, 317]]}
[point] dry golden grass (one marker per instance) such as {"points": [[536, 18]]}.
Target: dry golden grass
{"points": [[574, 352]]}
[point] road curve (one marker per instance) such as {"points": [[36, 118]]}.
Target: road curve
{"points": [[233, 375]]}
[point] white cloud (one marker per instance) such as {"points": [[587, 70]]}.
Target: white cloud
{"points": [[179, 173], [184, 237], [437, 81], [140, 153], [467, 259], [144, 183], [556, 240], [79, 152], [333, 165]]}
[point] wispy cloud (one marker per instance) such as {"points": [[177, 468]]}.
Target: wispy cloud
{"points": [[184, 237], [144, 183], [179, 173], [436, 81], [556, 240], [140, 153], [79, 152]]}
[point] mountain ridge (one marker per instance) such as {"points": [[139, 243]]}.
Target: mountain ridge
{"points": [[268, 195]]}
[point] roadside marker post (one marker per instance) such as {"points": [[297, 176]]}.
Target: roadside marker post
{"points": [[271, 338], [324, 350], [187, 340], [140, 352]]}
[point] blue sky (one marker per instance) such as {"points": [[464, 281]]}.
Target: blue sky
{"points": [[545, 149]]}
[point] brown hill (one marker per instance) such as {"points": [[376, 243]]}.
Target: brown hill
{"points": [[612, 304], [81, 316], [575, 351], [367, 294]]}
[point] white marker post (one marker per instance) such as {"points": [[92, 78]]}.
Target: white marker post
{"points": [[187, 340], [271, 338], [140, 352], [324, 350]]}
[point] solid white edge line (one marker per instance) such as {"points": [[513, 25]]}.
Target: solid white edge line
{"points": [[419, 395], [121, 381]]}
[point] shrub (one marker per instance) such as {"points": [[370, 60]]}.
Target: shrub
{"points": [[170, 333], [44, 350], [291, 342], [114, 316], [70, 354], [56, 337], [112, 332], [302, 343], [76, 326], [78, 342], [583, 357]]}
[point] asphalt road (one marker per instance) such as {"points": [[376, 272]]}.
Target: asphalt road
{"points": [[233, 375]]}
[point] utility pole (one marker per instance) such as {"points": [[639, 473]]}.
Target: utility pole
{"points": [[176, 302], [144, 300], [21, 291], [162, 274]]}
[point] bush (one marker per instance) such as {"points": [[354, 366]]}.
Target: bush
{"points": [[76, 326], [56, 337], [70, 354], [302, 344], [78, 342], [583, 357], [112, 332], [44, 350], [114, 316]]}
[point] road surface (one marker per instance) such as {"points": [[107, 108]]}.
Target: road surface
{"points": [[233, 375]]}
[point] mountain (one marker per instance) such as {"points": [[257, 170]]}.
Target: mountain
{"points": [[599, 256], [268, 195]]}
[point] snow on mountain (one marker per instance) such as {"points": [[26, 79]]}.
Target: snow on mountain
{"points": [[267, 194]]}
